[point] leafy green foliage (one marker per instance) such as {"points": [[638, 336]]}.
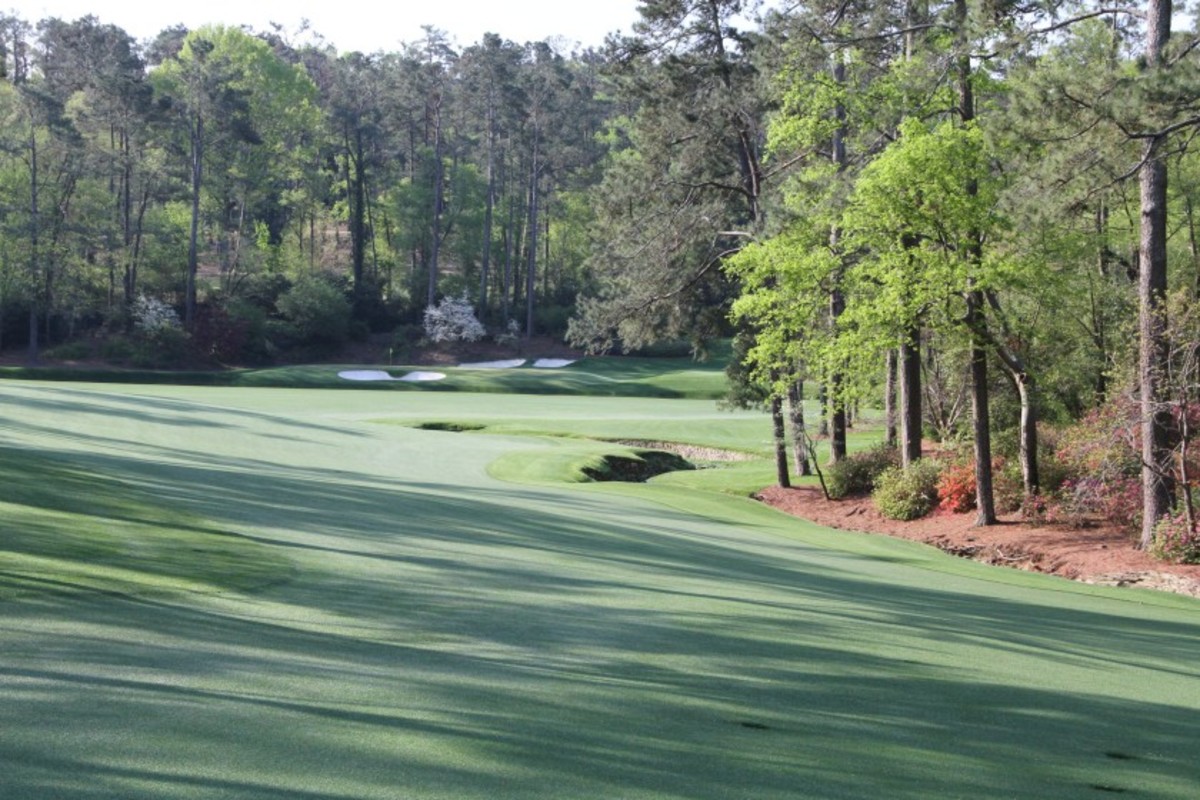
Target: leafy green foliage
{"points": [[858, 472], [907, 493], [317, 311]]}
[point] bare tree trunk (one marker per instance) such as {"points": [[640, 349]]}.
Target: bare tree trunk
{"points": [[127, 216], [506, 293], [1157, 485], [980, 419], [488, 211], [909, 352], [889, 400], [138, 231], [530, 273], [980, 416], [780, 437], [189, 300], [911, 416], [837, 300], [435, 245], [33, 356], [795, 398]]}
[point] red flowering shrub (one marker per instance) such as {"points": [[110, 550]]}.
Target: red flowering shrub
{"points": [[956, 487]]}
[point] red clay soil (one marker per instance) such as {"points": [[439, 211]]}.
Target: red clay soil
{"points": [[1097, 554]]}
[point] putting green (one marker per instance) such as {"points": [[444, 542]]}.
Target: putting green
{"points": [[384, 618]]}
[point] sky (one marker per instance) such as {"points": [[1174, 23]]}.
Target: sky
{"points": [[359, 24]]}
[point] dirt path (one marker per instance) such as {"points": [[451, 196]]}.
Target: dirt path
{"points": [[1101, 555]]}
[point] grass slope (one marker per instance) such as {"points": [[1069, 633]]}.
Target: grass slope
{"points": [[445, 634]]}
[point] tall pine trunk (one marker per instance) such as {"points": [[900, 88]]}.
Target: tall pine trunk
{"points": [[837, 300], [33, 356], [435, 232], [980, 417], [780, 437], [1157, 486], [488, 211], [189, 301], [889, 399], [909, 352], [911, 414], [530, 272]]}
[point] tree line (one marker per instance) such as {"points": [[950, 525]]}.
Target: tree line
{"points": [[979, 215], [218, 168]]}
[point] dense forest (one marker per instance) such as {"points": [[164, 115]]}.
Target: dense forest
{"points": [[978, 216]]}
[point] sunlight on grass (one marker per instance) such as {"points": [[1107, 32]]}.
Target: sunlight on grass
{"points": [[64, 529], [263, 593]]}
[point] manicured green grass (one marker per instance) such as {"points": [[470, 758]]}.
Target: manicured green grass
{"points": [[65, 528], [441, 633], [596, 376]]}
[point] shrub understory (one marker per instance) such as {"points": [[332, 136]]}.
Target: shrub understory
{"points": [[856, 474], [907, 493]]}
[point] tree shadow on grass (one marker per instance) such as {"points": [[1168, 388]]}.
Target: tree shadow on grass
{"points": [[637, 702], [445, 640]]}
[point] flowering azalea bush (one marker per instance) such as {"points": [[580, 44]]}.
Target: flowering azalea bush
{"points": [[1176, 541], [1102, 457], [1106, 442], [453, 320], [956, 487], [159, 340], [1115, 499]]}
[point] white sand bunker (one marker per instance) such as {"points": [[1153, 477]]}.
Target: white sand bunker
{"points": [[553, 363], [511, 363], [380, 375]]}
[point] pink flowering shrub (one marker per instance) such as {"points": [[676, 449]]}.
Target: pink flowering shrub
{"points": [[1101, 457], [1176, 541], [1113, 498]]}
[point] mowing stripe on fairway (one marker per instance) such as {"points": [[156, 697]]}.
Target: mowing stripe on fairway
{"points": [[444, 634]]}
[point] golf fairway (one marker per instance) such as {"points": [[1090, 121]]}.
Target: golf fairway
{"points": [[385, 618]]}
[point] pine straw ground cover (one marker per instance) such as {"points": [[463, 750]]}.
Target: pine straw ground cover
{"points": [[426, 628]]}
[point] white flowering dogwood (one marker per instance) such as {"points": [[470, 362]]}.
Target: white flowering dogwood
{"points": [[151, 315], [453, 320]]}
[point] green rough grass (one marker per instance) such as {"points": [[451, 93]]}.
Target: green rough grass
{"points": [[446, 634]]}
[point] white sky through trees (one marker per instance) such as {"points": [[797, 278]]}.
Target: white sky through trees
{"points": [[359, 24]]}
